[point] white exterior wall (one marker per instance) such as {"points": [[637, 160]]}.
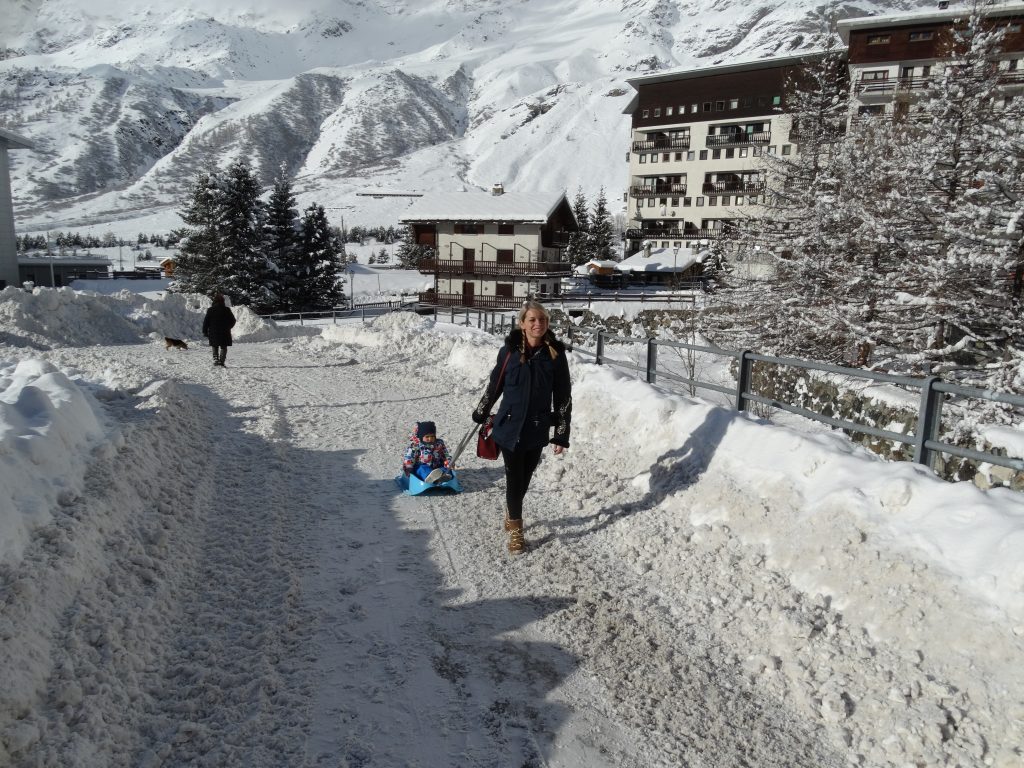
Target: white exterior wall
{"points": [[744, 159], [8, 246]]}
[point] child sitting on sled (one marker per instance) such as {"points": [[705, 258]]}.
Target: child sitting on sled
{"points": [[427, 456]]}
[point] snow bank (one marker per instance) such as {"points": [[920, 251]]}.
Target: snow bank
{"points": [[48, 426]]}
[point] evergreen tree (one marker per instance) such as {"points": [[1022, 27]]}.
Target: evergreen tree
{"points": [[199, 266], [318, 263], [578, 250], [383, 257], [601, 229], [409, 254], [241, 216], [282, 236]]}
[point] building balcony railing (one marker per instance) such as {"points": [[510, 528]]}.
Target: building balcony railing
{"points": [[647, 145], [739, 187], [673, 233], [642, 190], [462, 300], [494, 268], [737, 139]]}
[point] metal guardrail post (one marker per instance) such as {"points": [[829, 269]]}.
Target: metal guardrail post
{"points": [[929, 418], [334, 317], [743, 379], [600, 347], [652, 361], [362, 316]]}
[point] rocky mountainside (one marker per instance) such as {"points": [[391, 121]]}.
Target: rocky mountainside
{"points": [[125, 104]]}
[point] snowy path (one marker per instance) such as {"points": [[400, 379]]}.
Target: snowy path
{"points": [[256, 592]]}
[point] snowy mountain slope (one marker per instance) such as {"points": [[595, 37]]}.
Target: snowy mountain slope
{"points": [[125, 103]]}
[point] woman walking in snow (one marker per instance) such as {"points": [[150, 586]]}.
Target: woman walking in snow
{"points": [[217, 327], [532, 371]]}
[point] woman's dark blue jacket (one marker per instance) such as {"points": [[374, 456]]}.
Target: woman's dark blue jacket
{"points": [[537, 394]]}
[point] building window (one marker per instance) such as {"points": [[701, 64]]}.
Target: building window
{"points": [[662, 201], [650, 202], [675, 202], [679, 157], [1011, 65], [725, 199], [771, 150], [875, 74], [756, 151], [743, 151], [703, 154], [762, 101], [926, 70], [506, 229], [734, 103], [691, 155], [666, 156], [646, 113], [716, 154], [677, 244], [466, 229], [664, 243], [707, 106], [916, 37], [786, 149], [878, 39], [657, 111], [693, 109], [643, 159], [700, 202], [739, 199], [504, 289], [687, 202], [654, 158], [669, 111], [1013, 28], [719, 106], [748, 101], [776, 101], [730, 153], [712, 200], [506, 256]]}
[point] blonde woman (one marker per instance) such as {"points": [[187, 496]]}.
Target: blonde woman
{"points": [[532, 372]]}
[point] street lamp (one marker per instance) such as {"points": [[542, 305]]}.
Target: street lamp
{"points": [[675, 258], [352, 286]]}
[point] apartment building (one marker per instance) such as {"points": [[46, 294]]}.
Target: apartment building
{"points": [[493, 250], [894, 58], [698, 138]]}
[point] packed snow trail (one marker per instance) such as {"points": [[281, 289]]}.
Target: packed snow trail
{"points": [[241, 584]]}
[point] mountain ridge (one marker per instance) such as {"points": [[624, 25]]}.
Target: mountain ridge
{"points": [[126, 105]]}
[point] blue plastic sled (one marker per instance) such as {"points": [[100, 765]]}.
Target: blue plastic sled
{"points": [[413, 486]]}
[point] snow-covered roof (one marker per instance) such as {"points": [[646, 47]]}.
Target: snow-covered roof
{"points": [[845, 26], [742, 66], [14, 141], [660, 260], [483, 206]]}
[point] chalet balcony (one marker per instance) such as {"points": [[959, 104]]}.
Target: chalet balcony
{"points": [[673, 233], [480, 302], [667, 143], [738, 139], [494, 268], [888, 87], [642, 190], [737, 187]]}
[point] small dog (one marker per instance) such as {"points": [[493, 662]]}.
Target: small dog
{"points": [[176, 343]]}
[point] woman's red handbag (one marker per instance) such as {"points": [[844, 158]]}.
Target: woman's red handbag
{"points": [[486, 448]]}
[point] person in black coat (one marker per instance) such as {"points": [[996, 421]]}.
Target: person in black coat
{"points": [[217, 327], [532, 372]]}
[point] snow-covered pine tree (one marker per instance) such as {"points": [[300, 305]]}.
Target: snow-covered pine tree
{"points": [[959, 218], [601, 229], [798, 229], [199, 266], [383, 257], [241, 216], [282, 235], [409, 254], [578, 250], [318, 262]]}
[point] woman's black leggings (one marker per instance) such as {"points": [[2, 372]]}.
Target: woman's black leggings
{"points": [[519, 468]]}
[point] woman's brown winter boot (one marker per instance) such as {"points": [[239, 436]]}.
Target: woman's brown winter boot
{"points": [[516, 542]]}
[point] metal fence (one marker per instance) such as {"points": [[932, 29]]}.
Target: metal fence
{"points": [[932, 391], [361, 311]]}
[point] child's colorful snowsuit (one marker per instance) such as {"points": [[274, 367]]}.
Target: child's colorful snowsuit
{"points": [[421, 458]]}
